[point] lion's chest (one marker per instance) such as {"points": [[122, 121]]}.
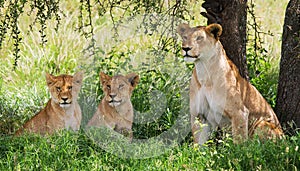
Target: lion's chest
{"points": [[211, 100], [71, 121], [212, 96]]}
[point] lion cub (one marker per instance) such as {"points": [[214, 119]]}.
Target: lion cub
{"points": [[115, 111], [219, 96], [62, 110]]}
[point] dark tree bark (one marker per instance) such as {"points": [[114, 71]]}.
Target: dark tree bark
{"points": [[232, 15], [288, 95]]}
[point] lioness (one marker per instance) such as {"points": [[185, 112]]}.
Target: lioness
{"points": [[115, 110], [219, 96], [62, 110]]}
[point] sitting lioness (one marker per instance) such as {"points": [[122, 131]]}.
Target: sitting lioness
{"points": [[219, 96], [115, 110], [62, 110]]}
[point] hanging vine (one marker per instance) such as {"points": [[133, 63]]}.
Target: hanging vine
{"points": [[257, 54], [44, 10]]}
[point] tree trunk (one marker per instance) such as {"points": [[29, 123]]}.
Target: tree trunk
{"points": [[232, 15], [288, 95]]}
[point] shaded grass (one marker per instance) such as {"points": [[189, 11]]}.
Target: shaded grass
{"points": [[70, 151]]}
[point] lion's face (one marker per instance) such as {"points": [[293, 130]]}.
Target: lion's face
{"points": [[198, 41], [64, 89], [118, 89]]}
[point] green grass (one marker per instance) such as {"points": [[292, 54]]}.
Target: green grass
{"points": [[76, 151]]}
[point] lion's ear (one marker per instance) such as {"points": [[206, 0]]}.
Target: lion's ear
{"points": [[133, 79], [104, 78], [215, 30], [78, 77], [182, 28], [49, 79]]}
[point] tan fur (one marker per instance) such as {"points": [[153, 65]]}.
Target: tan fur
{"points": [[219, 96], [115, 111], [62, 110]]}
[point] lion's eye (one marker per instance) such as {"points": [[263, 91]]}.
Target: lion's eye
{"points": [[58, 89], [199, 38], [121, 86], [70, 87], [108, 87], [184, 37]]}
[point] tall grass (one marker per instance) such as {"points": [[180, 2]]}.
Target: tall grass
{"points": [[69, 151]]}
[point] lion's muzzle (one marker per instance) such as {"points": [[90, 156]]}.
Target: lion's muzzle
{"points": [[113, 101], [65, 102]]}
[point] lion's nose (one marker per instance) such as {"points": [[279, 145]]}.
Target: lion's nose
{"points": [[186, 49], [64, 99], [112, 96]]}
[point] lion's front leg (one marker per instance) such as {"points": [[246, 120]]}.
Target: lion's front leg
{"points": [[126, 132], [125, 128], [240, 125], [195, 123], [201, 129], [203, 133]]}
